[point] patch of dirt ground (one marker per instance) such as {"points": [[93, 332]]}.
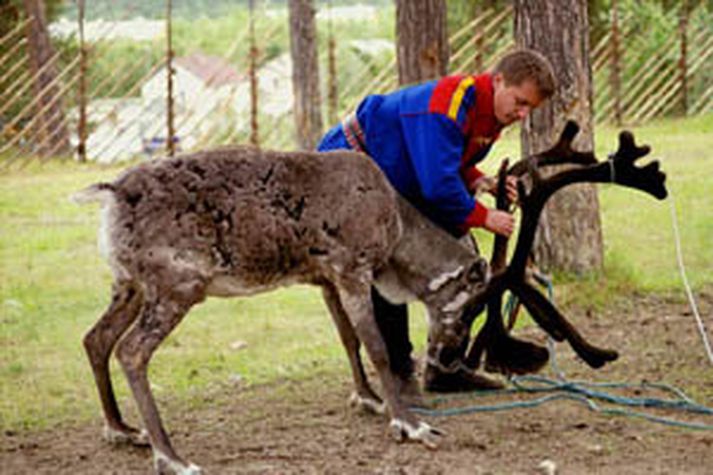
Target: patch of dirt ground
{"points": [[306, 426]]}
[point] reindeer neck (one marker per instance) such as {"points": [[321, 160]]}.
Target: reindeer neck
{"points": [[427, 257]]}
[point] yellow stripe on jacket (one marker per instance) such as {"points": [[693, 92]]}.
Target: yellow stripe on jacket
{"points": [[457, 98]]}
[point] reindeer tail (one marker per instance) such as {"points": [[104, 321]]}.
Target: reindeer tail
{"points": [[97, 192]]}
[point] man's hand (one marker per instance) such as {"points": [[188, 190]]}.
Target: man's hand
{"points": [[490, 184], [499, 222], [510, 188]]}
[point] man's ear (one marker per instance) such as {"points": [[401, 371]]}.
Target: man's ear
{"points": [[498, 80]]}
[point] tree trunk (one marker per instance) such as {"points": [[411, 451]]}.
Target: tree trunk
{"points": [[569, 236], [54, 133], [421, 39], [305, 73]]}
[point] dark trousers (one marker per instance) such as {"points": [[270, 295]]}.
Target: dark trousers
{"points": [[392, 321]]}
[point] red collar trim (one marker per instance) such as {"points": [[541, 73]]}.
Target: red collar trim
{"points": [[482, 117]]}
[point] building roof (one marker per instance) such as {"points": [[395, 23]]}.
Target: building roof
{"points": [[213, 70]]}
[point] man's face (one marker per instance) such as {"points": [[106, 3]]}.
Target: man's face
{"points": [[514, 102]]}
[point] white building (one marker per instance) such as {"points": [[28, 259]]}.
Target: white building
{"points": [[274, 84], [211, 99]]}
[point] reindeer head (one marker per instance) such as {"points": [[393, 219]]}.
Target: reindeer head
{"points": [[504, 352], [445, 306]]}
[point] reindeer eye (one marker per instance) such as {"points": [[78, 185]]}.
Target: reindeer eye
{"points": [[478, 271]]}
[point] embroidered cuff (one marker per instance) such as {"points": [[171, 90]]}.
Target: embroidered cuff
{"points": [[470, 175], [476, 218]]}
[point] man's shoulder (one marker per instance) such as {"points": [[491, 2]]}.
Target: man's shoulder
{"points": [[451, 95]]}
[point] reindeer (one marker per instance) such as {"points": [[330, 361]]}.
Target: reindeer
{"points": [[237, 221]]}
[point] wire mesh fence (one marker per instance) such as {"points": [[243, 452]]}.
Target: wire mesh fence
{"points": [[102, 91]]}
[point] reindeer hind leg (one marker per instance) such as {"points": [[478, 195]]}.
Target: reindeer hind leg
{"points": [[163, 309], [99, 343], [364, 396]]}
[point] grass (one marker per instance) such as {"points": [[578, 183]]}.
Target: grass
{"points": [[53, 286]]}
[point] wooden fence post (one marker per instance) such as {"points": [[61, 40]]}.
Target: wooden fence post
{"points": [[332, 92], [615, 77], [254, 131], [170, 146], [82, 100], [683, 60], [51, 123], [478, 57]]}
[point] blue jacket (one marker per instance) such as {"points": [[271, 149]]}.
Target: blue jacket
{"points": [[427, 139]]}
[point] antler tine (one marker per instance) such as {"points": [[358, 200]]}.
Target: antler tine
{"points": [[502, 201], [500, 245], [628, 150], [563, 147], [571, 129]]}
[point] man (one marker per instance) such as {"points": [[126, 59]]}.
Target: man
{"points": [[428, 139]]}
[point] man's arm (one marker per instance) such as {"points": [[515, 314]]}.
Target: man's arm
{"points": [[435, 145]]}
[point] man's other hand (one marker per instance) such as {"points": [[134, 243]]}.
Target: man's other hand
{"points": [[490, 184], [511, 188], [499, 222]]}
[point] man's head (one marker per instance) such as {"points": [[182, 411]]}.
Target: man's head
{"points": [[521, 81]]}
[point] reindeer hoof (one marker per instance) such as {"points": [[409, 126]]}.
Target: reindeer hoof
{"points": [[509, 355], [165, 465], [422, 432], [126, 436], [367, 405]]}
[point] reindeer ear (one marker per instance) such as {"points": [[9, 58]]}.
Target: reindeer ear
{"points": [[478, 272]]}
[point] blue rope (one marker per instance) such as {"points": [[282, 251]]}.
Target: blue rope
{"points": [[580, 391], [573, 392]]}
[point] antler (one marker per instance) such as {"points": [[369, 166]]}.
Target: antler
{"points": [[618, 169], [561, 153], [505, 353]]}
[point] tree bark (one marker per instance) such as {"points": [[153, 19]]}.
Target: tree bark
{"points": [[305, 73], [55, 135], [569, 236], [421, 40]]}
